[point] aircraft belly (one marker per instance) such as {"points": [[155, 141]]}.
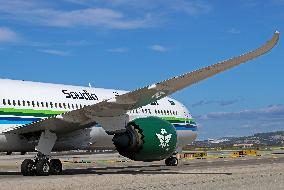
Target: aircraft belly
{"points": [[100, 139], [13, 142]]}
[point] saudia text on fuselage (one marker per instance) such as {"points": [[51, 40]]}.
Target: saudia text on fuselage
{"points": [[80, 95]]}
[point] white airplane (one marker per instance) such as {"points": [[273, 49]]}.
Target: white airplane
{"points": [[143, 125]]}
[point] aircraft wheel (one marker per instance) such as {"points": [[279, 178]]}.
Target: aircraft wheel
{"points": [[55, 167], [171, 161], [42, 167], [28, 167]]}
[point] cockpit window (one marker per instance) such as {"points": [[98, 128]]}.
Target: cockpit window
{"points": [[172, 102], [154, 103]]}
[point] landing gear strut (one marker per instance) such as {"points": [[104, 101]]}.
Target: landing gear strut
{"points": [[171, 161], [42, 165]]}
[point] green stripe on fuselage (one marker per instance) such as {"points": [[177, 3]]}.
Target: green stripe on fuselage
{"points": [[49, 113], [177, 120], [29, 112]]}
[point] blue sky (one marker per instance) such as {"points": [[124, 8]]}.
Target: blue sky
{"points": [[126, 44]]}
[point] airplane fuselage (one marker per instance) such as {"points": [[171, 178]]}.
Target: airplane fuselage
{"points": [[23, 102]]}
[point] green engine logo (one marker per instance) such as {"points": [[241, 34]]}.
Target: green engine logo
{"points": [[164, 138]]}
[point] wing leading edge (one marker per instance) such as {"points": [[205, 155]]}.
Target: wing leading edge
{"points": [[118, 106]]}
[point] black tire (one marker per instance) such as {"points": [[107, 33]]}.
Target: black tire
{"points": [[55, 167], [171, 161], [42, 167], [23, 153], [28, 167]]}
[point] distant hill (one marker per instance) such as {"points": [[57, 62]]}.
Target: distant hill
{"points": [[258, 139]]}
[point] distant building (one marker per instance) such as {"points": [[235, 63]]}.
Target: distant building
{"points": [[217, 141], [243, 145]]}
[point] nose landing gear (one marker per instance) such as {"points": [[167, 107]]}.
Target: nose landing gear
{"points": [[171, 161]]}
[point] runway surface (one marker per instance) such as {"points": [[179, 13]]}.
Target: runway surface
{"points": [[227, 173]]}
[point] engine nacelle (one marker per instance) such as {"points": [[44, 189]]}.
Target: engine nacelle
{"points": [[147, 139]]}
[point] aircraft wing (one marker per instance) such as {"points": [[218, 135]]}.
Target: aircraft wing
{"points": [[119, 105]]}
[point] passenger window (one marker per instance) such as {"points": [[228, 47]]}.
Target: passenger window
{"points": [[55, 105], [19, 103], [37, 103], [73, 107], [29, 103], [4, 102], [42, 104], [33, 103], [46, 103], [24, 103], [59, 104], [51, 104]]}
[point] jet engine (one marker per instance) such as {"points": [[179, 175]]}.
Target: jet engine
{"points": [[147, 139]]}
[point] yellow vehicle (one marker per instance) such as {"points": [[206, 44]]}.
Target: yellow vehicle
{"points": [[243, 153]]}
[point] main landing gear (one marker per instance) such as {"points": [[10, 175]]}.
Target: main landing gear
{"points": [[171, 161], [42, 165]]}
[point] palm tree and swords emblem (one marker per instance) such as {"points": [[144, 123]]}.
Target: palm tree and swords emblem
{"points": [[164, 138]]}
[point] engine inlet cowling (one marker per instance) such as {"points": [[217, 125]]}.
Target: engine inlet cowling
{"points": [[147, 139]]}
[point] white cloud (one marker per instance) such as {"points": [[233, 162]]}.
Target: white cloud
{"points": [[41, 14], [270, 112], [218, 102], [76, 43], [159, 48], [79, 2], [91, 17], [234, 31], [113, 14], [118, 50], [56, 52], [192, 7], [244, 122], [8, 35]]}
